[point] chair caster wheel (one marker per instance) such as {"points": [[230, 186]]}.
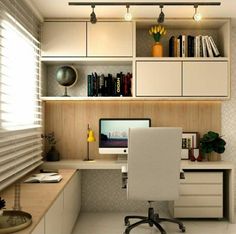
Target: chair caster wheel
{"points": [[182, 228], [127, 223]]}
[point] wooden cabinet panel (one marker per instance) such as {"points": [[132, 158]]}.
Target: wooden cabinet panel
{"points": [[39, 228], [201, 196], [205, 79], [54, 217], [158, 79], [110, 39], [198, 212], [72, 202], [64, 39], [203, 178]]}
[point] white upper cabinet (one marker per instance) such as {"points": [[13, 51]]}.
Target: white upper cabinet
{"points": [[110, 39], [64, 39], [205, 79], [158, 79]]}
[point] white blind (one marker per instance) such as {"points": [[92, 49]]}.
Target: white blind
{"points": [[20, 105]]}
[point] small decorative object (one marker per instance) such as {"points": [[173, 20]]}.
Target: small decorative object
{"points": [[52, 154], [90, 138], [2, 205], [190, 143], [212, 142], [67, 77], [157, 32]]}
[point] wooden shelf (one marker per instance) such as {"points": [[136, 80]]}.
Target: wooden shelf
{"points": [[182, 59], [47, 99]]}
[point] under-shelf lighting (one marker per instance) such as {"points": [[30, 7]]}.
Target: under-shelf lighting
{"points": [[197, 16], [161, 17], [128, 15]]}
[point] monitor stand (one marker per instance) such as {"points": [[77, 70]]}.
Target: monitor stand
{"points": [[121, 158]]}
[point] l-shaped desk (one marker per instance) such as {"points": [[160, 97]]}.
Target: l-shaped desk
{"points": [[226, 168]]}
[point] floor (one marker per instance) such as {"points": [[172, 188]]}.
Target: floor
{"points": [[112, 223]]}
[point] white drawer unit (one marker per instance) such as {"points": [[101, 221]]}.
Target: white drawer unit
{"points": [[201, 196]]}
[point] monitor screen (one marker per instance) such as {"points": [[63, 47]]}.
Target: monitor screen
{"points": [[113, 134]]}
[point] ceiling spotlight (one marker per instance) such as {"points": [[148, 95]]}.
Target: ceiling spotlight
{"points": [[197, 16], [128, 15], [93, 18], [161, 17]]}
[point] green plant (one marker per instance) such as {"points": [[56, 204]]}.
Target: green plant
{"points": [[212, 141], [50, 138], [2, 203], [157, 32]]}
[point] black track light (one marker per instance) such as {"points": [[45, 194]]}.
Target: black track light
{"points": [[161, 17], [93, 17]]}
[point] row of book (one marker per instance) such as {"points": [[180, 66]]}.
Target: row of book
{"points": [[190, 46], [101, 85]]}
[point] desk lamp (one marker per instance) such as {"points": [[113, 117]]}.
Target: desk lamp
{"points": [[90, 138]]}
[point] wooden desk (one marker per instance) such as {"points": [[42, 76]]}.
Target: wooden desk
{"points": [[225, 166]]}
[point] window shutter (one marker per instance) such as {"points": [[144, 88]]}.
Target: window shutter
{"points": [[20, 92]]}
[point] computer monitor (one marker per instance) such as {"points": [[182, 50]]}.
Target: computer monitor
{"points": [[113, 133]]}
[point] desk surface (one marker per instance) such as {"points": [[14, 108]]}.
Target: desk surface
{"points": [[112, 164]]}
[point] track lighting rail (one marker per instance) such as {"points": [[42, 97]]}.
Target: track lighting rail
{"points": [[144, 3]]}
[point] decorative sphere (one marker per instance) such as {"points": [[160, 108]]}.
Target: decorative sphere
{"points": [[66, 76]]}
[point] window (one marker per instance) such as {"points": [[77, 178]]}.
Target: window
{"points": [[20, 106]]}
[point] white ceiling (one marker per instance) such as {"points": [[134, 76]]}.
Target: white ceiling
{"points": [[61, 9]]}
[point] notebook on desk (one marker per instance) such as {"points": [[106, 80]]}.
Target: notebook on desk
{"points": [[44, 178]]}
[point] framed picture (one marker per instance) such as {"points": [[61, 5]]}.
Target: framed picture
{"points": [[190, 140]]}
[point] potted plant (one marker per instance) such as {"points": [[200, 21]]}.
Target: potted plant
{"points": [[157, 32], [52, 154], [2, 205], [212, 142]]}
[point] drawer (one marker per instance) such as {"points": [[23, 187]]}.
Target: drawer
{"points": [[201, 189], [202, 177], [184, 201], [198, 212]]}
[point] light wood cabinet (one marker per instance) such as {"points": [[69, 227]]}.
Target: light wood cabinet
{"points": [[54, 217], [201, 196], [62, 215], [158, 78], [72, 203], [182, 79], [64, 39], [39, 228], [205, 79], [110, 39]]}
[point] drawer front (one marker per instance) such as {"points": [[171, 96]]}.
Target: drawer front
{"points": [[202, 177], [184, 201], [201, 189], [198, 212]]}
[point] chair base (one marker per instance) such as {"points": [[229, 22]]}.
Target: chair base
{"points": [[152, 219]]}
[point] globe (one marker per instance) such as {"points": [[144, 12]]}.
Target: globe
{"points": [[66, 76]]}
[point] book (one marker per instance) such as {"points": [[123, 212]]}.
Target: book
{"points": [[208, 45], [184, 46], [173, 47], [214, 48], [180, 45], [44, 178], [204, 48], [190, 46]]}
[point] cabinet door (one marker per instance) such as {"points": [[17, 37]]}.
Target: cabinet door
{"points": [[54, 217], [72, 202], [209, 79], [158, 78], [64, 39], [110, 39], [39, 229]]}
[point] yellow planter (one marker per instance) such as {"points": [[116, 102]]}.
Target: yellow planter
{"points": [[157, 50]]}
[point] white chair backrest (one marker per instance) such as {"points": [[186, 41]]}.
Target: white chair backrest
{"points": [[154, 163]]}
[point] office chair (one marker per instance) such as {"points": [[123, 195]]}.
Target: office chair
{"points": [[153, 171]]}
